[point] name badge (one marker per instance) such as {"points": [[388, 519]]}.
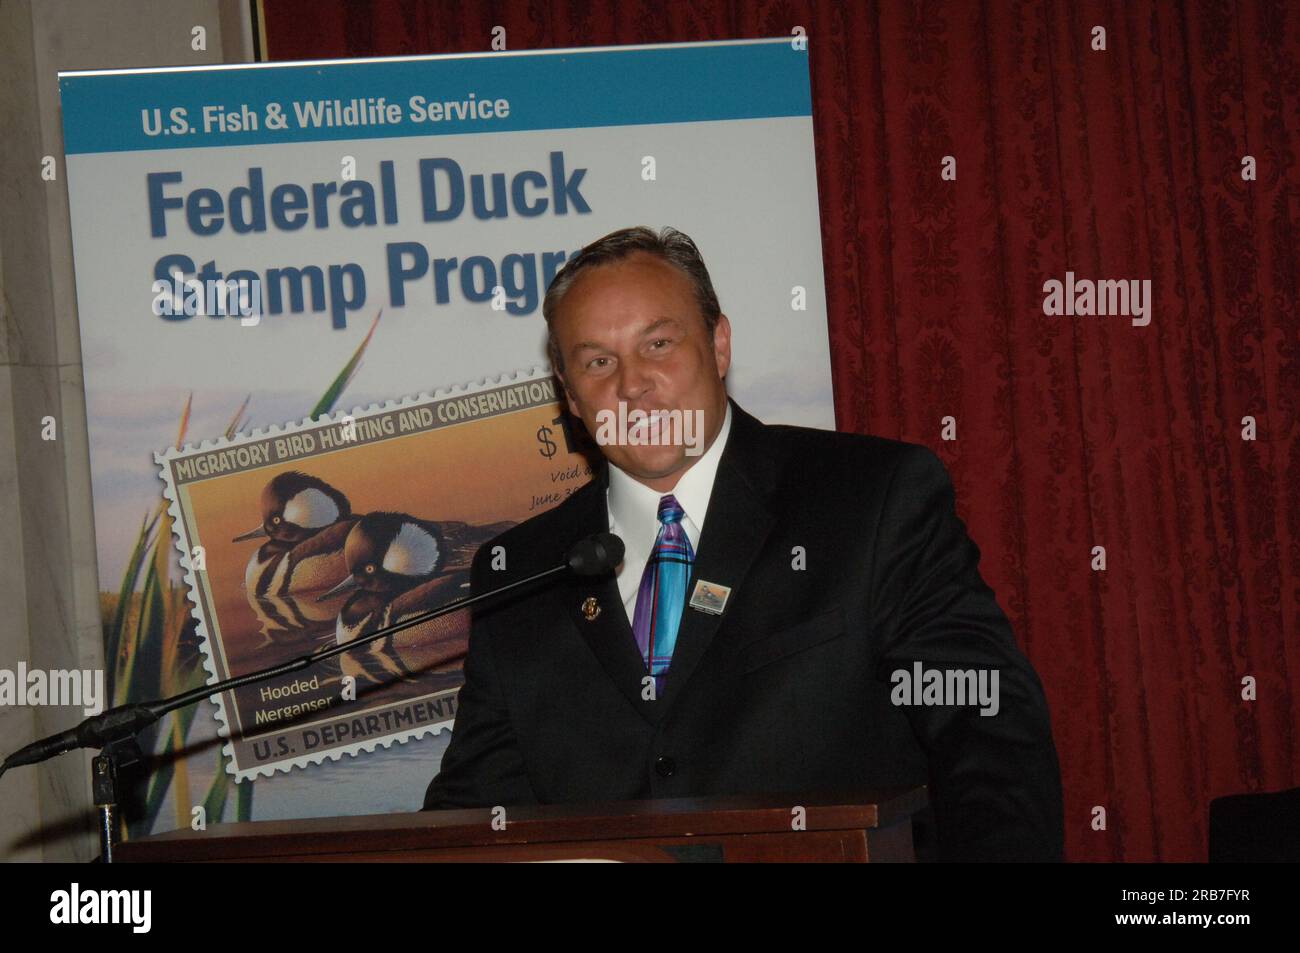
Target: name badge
{"points": [[710, 597]]}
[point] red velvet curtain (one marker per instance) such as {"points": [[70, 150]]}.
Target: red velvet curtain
{"points": [[1072, 432]]}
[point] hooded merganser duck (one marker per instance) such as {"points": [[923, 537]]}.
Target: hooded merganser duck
{"points": [[400, 566], [305, 523]]}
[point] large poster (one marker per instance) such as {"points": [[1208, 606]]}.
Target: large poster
{"points": [[389, 228]]}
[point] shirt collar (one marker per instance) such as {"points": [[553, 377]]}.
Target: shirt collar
{"points": [[634, 507]]}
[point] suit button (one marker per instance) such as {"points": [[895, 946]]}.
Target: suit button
{"points": [[665, 767]]}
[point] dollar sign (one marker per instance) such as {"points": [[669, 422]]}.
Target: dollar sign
{"points": [[548, 447]]}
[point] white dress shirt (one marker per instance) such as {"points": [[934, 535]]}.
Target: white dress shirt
{"points": [[634, 513]]}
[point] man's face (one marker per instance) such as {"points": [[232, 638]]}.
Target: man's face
{"points": [[632, 331]]}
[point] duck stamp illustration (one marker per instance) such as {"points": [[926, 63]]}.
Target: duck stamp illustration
{"points": [[322, 532]]}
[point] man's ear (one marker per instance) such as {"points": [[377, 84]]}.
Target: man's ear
{"points": [[722, 344], [568, 395]]}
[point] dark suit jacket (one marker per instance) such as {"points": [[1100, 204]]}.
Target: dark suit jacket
{"points": [[789, 689]]}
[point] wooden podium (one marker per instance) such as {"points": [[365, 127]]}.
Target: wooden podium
{"points": [[858, 826]]}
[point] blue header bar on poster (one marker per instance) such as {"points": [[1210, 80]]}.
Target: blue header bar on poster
{"points": [[128, 111]]}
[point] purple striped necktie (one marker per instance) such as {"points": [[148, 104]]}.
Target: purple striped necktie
{"points": [[662, 596]]}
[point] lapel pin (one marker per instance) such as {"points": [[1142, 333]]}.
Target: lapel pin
{"points": [[590, 608], [710, 597]]}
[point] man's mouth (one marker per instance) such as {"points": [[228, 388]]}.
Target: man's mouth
{"points": [[647, 423]]}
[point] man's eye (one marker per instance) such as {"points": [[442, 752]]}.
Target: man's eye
{"points": [[661, 341], [597, 362]]}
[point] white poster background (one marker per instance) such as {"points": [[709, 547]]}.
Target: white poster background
{"points": [[743, 189]]}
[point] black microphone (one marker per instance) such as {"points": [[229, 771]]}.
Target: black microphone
{"points": [[593, 556], [596, 555], [94, 732]]}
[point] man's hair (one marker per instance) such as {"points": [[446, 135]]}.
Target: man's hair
{"points": [[670, 245]]}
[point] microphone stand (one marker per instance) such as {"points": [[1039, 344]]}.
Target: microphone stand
{"points": [[115, 730]]}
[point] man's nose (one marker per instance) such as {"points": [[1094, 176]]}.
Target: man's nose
{"points": [[633, 381]]}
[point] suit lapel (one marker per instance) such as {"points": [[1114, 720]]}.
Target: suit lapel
{"points": [[739, 519], [607, 631]]}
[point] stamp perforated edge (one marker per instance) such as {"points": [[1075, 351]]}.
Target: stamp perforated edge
{"points": [[180, 533]]}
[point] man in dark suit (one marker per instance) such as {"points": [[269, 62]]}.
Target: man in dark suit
{"points": [[777, 638]]}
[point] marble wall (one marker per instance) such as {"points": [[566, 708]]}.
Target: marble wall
{"points": [[49, 603]]}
